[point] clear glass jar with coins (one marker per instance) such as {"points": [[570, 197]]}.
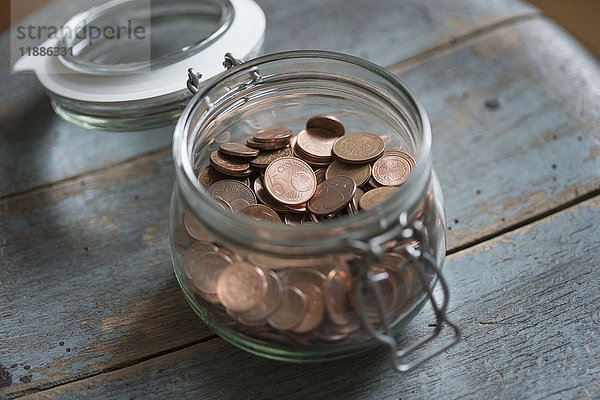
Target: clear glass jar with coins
{"points": [[307, 223]]}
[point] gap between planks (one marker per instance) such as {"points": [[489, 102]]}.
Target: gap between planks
{"points": [[525, 222], [115, 367], [395, 69], [157, 153], [460, 41], [40, 390]]}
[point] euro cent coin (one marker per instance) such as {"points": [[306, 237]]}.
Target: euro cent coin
{"points": [[358, 148], [290, 181]]}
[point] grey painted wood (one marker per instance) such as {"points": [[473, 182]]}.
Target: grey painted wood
{"points": [[384, 31], [528, 303], [37, 148], [516, 125], [85, 276], [117, 302], [47, 231]]}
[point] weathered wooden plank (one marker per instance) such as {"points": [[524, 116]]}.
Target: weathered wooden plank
{"points": [[37, 148], [516, 125], [385, 31], [46, 229], [85, 280], [527, 301]]}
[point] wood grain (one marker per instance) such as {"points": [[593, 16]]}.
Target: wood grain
{"points": [[37, 147], [515, 125], [528, 303], [385, 31], [90, 287], [117, 302]]}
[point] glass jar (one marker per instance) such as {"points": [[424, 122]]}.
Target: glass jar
{"points": [[120, 65], [374, 270]]}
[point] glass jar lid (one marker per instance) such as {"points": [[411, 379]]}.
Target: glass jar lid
{"points": [[126, 60], [177, 30]]}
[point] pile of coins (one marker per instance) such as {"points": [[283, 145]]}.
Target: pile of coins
{"points": [[322, 172], [276, 176]]}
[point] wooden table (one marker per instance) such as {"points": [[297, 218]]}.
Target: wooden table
{"points": [[89, 305]]}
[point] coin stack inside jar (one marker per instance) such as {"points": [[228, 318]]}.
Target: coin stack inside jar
{"points": [[319, 174]]}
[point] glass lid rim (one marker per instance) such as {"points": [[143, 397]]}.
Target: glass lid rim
{"points": [[184, 166], [92, 14]]}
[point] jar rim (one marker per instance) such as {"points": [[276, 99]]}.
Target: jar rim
{"points": [[187, 178]]}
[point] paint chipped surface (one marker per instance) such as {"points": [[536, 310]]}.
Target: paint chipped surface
{"points": [[5, 376], [76, 298], [593, 154]]}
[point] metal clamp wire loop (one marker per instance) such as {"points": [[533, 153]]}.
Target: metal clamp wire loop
{"points": [[232, 62], [193, 82], [368, 280]]}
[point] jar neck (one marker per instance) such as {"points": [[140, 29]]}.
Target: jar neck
{"points": [[331, 236]]}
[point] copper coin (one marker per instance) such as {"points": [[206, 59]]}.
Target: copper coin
{"points": [[316, 143], [409, 286], [312, 161], [292, 218], [241, 286], [372, 184], [358, 148], [271, 301], [327, 122], [205, 268], [375, 197], [399, 151], [360, 173], [393, 169], [265, 198], [290, 181], [315, 309], [332, 195], [267, 157], [198, 249], [228, 164], [336, 294], [224, 205], [223, 137], [290, 312], [399, 272], [261, 323], [389, 287], [293, 141], [331, 332], [207, 176], [273, 135], [244, 174], [266, 146], [238, 150], [320, 175], [358, 194], [260, 212], [311, 276], [192, 227], [234, 193], [299, 209], [210, 297], [181, 239]]}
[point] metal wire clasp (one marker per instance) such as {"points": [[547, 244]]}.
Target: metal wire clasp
{"points": [[193, 82], [373, 253]]}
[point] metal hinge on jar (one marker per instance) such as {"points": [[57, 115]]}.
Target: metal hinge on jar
{"points": [[373, 252], [193, 82]]}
